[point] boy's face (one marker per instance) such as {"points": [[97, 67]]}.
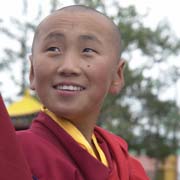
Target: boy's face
{"points": [[75, 64]]}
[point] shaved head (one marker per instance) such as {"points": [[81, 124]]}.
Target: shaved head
{"points": [[76, 61], [116, 35]]}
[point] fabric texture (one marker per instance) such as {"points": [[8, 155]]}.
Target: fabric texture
{"points": [[78, 136], [13, 165], [53, 154]]}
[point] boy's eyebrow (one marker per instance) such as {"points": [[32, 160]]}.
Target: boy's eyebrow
{"points": [[90, 37], [59, 35], [54, 35]]}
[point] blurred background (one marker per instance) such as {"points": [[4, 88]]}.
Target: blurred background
{"points": [[147, 111]]}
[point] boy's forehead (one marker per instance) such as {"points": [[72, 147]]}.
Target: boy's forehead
{"points": [[87, 19], [74, 19]]}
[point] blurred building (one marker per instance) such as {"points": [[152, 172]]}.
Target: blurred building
{"points": [[157, 170], [23, 111], [149, 164], [170, 168]]}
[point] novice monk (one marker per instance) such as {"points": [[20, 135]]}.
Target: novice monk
{"points": [[75, 63]]}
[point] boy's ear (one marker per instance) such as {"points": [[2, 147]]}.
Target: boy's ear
{"points": [[118, 82], [31, 74]]}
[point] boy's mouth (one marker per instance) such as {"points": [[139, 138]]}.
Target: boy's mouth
{"points": [[65, 87]]}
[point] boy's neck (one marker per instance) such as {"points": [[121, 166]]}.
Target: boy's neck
{"points": [[86, 129], [86, 124]]}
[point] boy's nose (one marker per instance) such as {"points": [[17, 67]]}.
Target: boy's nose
{"points": [[69, 66]]}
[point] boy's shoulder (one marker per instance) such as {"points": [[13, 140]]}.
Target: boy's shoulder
{"points": [[29, 140], [119, 148], [113, 138], [26, 135]]}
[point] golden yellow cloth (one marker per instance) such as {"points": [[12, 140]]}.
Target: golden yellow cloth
{"points": [[78, 136]]}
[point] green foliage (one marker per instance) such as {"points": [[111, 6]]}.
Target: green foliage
{"points": [[137, 113], [24, 30], [93, 3], [12, 56]]}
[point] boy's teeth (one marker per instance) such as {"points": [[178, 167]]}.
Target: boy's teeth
{"points": [[69, 88]]}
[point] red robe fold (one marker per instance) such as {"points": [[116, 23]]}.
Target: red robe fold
{"points": [[13, 165], [53, 154]]}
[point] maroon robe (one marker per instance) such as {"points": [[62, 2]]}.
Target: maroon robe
{"points": [[13, 165], [53, 154]]}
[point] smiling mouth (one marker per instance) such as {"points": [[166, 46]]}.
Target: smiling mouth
{"points": [[69, 87]]}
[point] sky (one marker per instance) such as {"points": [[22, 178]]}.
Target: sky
{"points": [[157, 10]]}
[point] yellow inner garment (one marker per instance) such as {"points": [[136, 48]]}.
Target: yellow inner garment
{"points": [[78, 136]]}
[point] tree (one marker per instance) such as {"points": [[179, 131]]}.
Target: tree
{"points": [[139, 103], [138, 113], [21, 38]]}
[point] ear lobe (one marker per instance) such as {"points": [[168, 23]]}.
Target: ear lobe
{"points": [[31, 74], [118, 81]]}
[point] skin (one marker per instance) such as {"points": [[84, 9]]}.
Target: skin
{"points": [[76, 48]]}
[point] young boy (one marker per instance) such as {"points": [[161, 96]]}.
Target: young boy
{"points": [[75, 63]]}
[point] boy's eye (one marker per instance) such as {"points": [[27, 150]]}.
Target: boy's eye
{"points": [[88, 50], [53, 49]]}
